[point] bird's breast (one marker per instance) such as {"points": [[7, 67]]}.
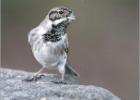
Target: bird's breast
{"points": [[50, 53]]}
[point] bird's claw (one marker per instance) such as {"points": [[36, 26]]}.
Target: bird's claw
{"points": [[34, 78], [59, 82]]}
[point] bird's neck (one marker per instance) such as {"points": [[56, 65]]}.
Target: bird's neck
{"points": [[60, 28], [50, 27], [54, 32]]}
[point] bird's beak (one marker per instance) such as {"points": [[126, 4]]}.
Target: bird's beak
{"points": [[71, 17]]}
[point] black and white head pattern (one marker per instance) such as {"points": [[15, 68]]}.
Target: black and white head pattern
{"points": [[60, 18]]}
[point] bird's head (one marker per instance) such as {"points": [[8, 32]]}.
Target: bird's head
{"points": [[61, 15]]}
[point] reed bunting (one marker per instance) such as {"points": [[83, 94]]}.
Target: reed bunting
{"points": [[49, 42]]}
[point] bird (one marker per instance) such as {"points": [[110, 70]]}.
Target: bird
{"points": [[49, 42]]}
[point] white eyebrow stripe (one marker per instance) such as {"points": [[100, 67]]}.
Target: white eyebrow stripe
{"points": [[59, 21]]}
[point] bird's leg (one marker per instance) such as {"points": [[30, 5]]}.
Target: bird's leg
{"points": [[36, 75], [38, 72], [62, 72]]}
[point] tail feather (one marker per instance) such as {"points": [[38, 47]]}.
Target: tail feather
{"points": [[70, 70]]}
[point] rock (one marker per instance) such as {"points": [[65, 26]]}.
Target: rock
{"points": [[14, 87]]}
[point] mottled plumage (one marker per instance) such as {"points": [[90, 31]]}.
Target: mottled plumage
{"points": [[49, 41]]}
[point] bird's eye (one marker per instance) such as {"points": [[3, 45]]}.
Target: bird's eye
{"points": [[61, 12]]}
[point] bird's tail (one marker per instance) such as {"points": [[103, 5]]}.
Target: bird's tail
{"points": [[70, 70]]}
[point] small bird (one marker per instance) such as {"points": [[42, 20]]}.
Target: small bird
{"points": [[49, 42]]}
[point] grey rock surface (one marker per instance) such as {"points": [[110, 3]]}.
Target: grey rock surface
{"points": [[13, 87]]}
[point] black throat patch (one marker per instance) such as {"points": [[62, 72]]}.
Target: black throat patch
{"points": [[51, 37], [55, 34]]}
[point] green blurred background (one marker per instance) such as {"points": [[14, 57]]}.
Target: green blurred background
{"points": [[103, 40]]}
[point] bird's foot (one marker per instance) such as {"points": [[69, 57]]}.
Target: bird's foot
{"points": [[59, 82], [34, 77]]}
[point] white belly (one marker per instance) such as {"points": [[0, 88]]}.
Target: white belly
{"points": [[50, 55]]}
